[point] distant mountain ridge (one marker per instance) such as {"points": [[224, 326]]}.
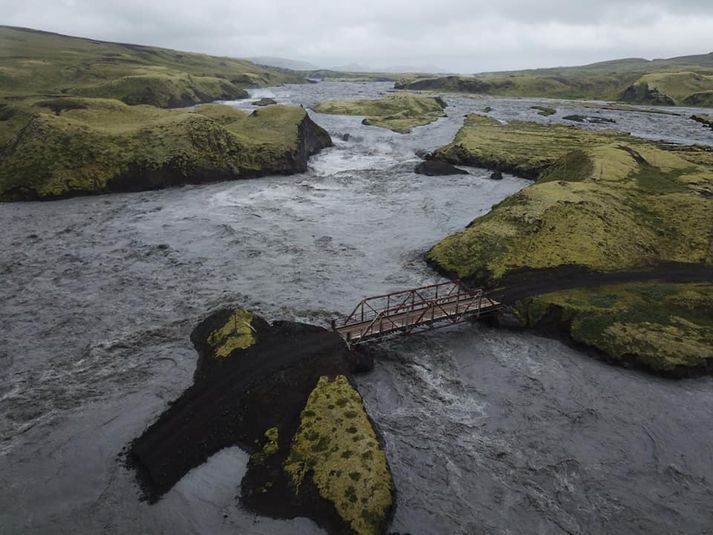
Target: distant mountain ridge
{"points": [[284, 63]]}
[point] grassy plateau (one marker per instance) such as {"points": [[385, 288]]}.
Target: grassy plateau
{"points": [[70, 146], [337, 447], [685, 81], [399, 112], [601, 202]]}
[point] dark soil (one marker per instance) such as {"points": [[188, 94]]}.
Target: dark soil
{"points": [[521, 283]]}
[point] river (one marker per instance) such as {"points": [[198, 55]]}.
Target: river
{"points": [[487, 431]]}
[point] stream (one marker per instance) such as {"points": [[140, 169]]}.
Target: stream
{"points": [[487, 431]]}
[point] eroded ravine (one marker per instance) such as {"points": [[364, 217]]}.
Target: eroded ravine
{"points": [[485, 430]]}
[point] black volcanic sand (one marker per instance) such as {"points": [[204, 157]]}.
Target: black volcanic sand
{"points": [[233, 401], [521, 283]]}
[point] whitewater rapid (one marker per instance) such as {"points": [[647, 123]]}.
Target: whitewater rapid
{"points": [[487, 431]]}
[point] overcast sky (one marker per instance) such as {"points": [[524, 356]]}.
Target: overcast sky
{"points": [[455, 35]]}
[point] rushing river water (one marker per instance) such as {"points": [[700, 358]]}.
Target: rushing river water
{"points": [[487, 431]]}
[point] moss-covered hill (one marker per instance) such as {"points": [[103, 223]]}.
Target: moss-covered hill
{"points": [[35, 63], [399, 112], [677, 81], [602, 202], [79, 116], [71, 146]]}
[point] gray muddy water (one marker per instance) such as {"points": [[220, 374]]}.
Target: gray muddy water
{"points": [[487, 431]]}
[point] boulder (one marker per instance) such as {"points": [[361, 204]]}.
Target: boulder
{"points": [[438, 168], [265, 102], [588, 119]]}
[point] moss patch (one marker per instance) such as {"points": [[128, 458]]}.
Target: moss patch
{"points": [[269, 448], [602, 201], [664, 326], [237, 333], [399, 112], [337, 447]]}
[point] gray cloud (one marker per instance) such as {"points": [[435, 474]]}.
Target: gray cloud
{"points": [[458, 35]]}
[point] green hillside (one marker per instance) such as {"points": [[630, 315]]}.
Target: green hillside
{"points": [[685, 80], [36, 63], [79, 116]]}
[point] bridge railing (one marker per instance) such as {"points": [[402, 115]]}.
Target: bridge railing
{"points": [[425, 298]]}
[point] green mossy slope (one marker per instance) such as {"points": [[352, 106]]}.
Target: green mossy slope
{"points": [[399, 112], [337, 448], [665, 327], [34, 63], [602, 201], [524, 85], [69, 146], [672, 88], [677, 81]]}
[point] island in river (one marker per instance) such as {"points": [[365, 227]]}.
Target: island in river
{"points": [[283, 393], [602, 202]]}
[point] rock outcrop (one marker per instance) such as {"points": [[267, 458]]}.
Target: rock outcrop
{"points": [[265, 101], [704, 119], [641, 93], [438, 168], [588, 119]]}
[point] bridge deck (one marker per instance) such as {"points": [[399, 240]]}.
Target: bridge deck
{"points": [[412, 310]]}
